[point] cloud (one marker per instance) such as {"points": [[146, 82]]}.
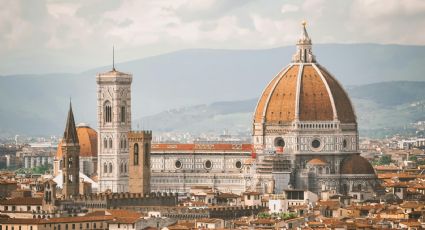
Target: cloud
{"points": [[71, 35], [287, 8]]}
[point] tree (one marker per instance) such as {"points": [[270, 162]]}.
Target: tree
{"points": [[384, 160], [263, 215], [413, 158]]}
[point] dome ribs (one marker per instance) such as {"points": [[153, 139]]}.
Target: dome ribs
{"points": [[343, 104], [281, 105], [259, 111], [315, 104]]}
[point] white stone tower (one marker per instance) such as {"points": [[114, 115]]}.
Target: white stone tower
{"points": [[114, 122]]}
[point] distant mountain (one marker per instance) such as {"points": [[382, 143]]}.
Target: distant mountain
{"points": [[381, 108], [37, 104]]}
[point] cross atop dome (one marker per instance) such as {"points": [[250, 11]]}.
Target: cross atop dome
{"points": [[304, 52]]}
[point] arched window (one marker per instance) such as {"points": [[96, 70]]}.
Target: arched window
{"points": [[110, 143], [69, 162], [110, 167], [146, 154], [121, 144], [125, 168], [123, 113], [107, 112], [121, 168], [105, 143], [105, 168], [136, 154], [125, 143]]}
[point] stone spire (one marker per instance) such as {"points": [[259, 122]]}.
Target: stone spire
{"points": [[70, 135], [304, 52]]}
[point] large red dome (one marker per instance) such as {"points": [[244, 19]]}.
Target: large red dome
{"points": [[304, 92]]}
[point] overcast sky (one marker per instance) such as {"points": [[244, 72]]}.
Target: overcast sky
{"points": [[39, 36]]}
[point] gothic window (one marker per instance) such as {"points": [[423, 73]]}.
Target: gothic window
{"points": [[107, 112], [146, 153], [125, 143], [121, 144], [105, 168], [110, 167], [136, 154], [122, 113], [105, 143], [344, 143], [121, 168], [125, 168], [69, 162], [110, 143]]}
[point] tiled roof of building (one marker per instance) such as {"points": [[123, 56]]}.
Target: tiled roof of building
{"points": [[356, 164], [22, 201], [330, 204], [21, 221], [77, 219], [317, 161]]}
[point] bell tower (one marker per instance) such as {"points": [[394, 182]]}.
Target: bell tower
{"points": [[140, 151], [114, 122], [70, 162]]}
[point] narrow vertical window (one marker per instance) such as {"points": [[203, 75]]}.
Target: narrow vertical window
{"points": [[146, 153], [105, 143], [110, 167], [122, 113], [107, 112], [110, 143], [105, 168], [136, 154]]}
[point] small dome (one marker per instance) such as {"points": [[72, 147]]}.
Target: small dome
{"points": [[317, 161], [356, 164], [88, 142]]}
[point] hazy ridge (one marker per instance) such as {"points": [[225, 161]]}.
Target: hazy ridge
{"points": [[37, 104]]}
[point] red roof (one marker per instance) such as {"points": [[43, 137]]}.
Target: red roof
{"points": [[22, 201]]}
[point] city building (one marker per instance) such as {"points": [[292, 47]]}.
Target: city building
{"points": [[70, 163], [114, 123], [140, 162], [305, 131], [224, 167], [87, 138]]}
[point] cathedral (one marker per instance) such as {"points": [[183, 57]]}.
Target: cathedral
{"points": [[305, 132], [304, 137]]}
